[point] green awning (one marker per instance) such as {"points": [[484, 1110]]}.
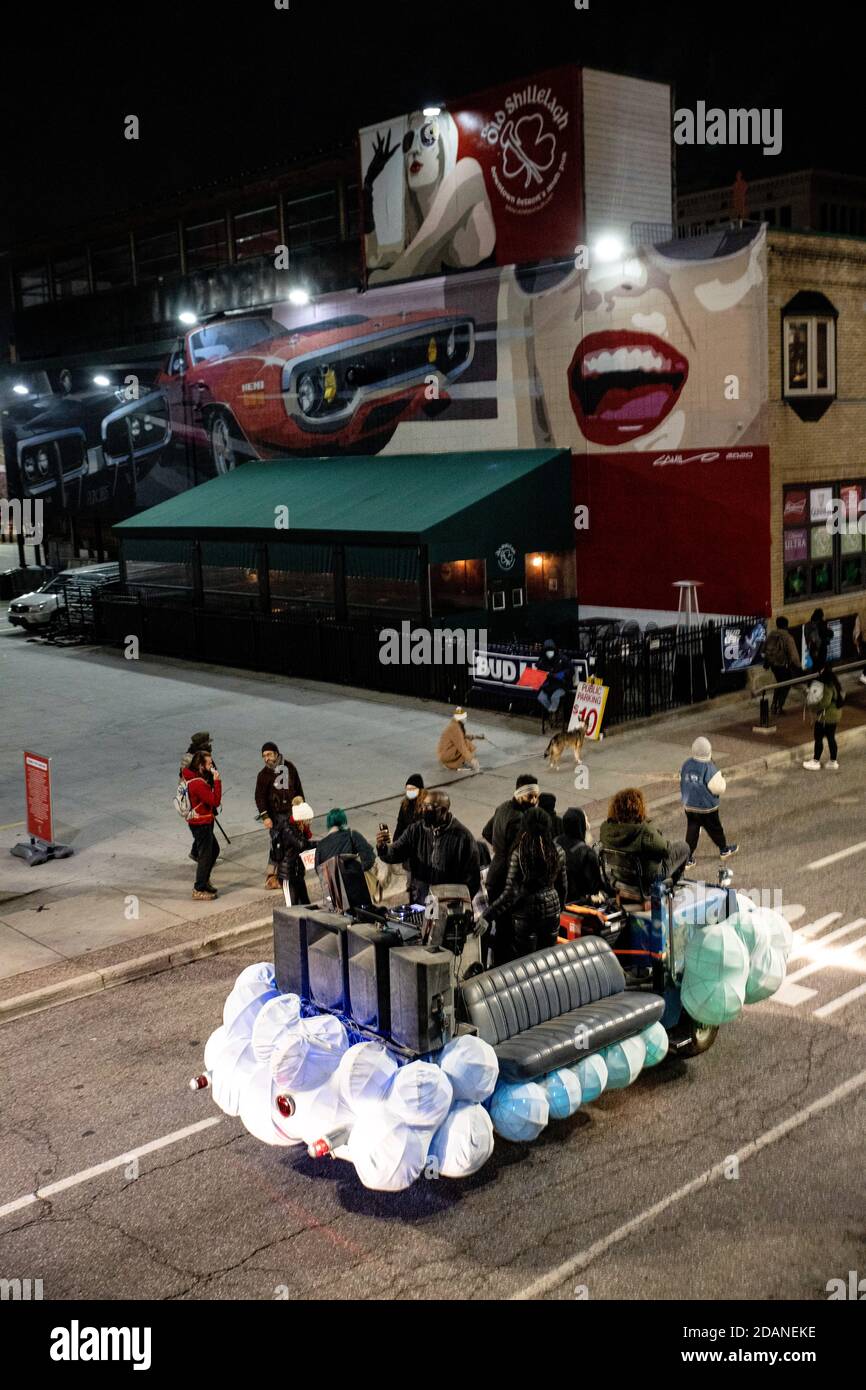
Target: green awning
{"points": [[460, 505]]}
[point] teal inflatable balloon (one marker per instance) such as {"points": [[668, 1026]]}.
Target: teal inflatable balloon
{"points": [[519, 1110], [563, 1092], [591, 1072], [715, 975], [656, 1043], [624, 1062]]}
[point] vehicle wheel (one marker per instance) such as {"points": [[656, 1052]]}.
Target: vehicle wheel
{"points": [[690, 1039], [225, 443]]}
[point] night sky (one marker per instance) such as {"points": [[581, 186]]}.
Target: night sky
{"points": [[222, 89]]}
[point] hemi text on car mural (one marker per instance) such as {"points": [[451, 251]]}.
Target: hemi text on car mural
{"points": [[250, 387]]}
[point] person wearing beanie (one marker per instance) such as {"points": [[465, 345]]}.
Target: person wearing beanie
{"points": [[456, 750], [547, 802], [701, 785], [276, 785], [342, 840], [581, 860], [411, 805], [502, 832], [292, 835], [199, 743]]}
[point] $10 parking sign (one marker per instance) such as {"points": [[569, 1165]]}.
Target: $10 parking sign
{"points": [[589, 702]]}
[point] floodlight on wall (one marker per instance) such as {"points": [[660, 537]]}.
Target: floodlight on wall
{"points": [[101, 380], [609, 248], [299, 296], [187, 316], [20, 389]]}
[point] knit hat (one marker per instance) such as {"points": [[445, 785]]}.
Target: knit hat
{"points": [[459, 713], [525, 779], [416, 780], [199, 741], [270, 748], [335, 817], [702, 750], [301, 811]]}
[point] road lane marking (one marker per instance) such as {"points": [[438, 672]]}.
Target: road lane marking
{"points": [[710, 1175], [831, 936], [792, 995], [12, 824], [841, 1001], [839, 960], [87, 1173], [840, 854], [812, 928]]}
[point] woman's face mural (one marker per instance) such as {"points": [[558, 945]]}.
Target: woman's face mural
{"points": [[421, 152], [653, 353]]}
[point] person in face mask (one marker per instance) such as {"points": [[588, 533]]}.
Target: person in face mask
{"points": [[558, 678], [456, 749], [438, 848], [581, 860], [411, 805]]}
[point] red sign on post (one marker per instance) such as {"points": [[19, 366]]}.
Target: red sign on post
{"points": [[37, 783]]}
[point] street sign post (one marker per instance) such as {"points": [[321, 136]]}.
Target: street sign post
{"points": [[40, 817]]}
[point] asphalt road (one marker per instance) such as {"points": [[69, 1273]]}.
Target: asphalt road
{"points": [[619, 1202]]}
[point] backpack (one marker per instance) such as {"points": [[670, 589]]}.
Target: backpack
{"points": [[814, 693], [775, 650], [182, 803]]}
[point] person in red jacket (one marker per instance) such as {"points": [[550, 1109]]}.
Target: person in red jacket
{"points": [[205, 794]]}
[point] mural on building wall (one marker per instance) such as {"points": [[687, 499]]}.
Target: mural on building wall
{"points": [[495, 180], [651, 370]]}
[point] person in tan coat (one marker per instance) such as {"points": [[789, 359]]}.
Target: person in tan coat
{"points": [[456, 750]]}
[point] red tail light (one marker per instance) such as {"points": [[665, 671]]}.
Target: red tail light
{"points": [[286, 1106], [200, 1083]]}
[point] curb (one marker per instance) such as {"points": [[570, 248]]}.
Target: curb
{"points": [[778, 758], [154, 963]]}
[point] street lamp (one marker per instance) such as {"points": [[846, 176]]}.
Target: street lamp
{"points": [[187, 316], [299, 296], [101, 380], [20, 389], [609, 248]]}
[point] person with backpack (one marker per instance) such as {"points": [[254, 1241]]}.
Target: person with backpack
{"points": [[819, 635], [342, 840], [536, 886], [204, 792], [825, 699], [783, 659], [701, 785], [200, 742]]}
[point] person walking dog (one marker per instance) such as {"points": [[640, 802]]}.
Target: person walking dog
{"points": [[701, 785]]}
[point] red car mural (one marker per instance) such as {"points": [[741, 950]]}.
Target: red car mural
{"points": [[248, 387]]}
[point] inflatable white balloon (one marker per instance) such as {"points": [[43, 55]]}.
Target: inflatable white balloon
{"points": [[463, 1142], [471, 1066], [420, 1094]]}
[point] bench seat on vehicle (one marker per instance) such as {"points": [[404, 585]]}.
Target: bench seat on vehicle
{"points": [[555, 1007]]}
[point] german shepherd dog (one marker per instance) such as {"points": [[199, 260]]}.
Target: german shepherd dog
{"points": [[574, 739]]}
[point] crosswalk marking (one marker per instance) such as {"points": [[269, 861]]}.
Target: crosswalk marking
{"points": [[840, 854], [838, 958], [812, 928], [825, 941], [841, 1002]]}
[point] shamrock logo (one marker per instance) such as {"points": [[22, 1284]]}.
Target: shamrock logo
{"points": [[526, 148]]}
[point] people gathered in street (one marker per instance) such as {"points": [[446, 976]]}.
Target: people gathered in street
{"points": [[629, 829], [581, 860], [341, 840], [411, 805], [501, 832], [291, 836], [438, 847]]}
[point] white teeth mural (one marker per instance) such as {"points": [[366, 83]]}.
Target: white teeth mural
{"points": [[625, 360]]}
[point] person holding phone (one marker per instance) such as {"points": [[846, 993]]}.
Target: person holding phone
{"points": [[205, 794]]}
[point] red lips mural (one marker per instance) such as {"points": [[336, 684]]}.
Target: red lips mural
{"points": [[622, 384]]}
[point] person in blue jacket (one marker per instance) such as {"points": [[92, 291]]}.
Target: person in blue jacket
{"points": [[701, 785]]}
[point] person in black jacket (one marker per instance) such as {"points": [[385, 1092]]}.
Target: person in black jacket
{"points": [[819, 635], [289, 838], [410, 806], [277, 786], [581, 860], [547, 802], [438, 848], [342, 840], [502, 832], [536, 886]]}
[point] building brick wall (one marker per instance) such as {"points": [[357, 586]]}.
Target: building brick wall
{"points": [[833, 448]]}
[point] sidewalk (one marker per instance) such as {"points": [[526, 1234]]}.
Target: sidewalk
{"points": [[115, 730]]}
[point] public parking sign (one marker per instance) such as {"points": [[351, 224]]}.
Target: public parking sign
{"points": [[589, 702], [37, 786]]}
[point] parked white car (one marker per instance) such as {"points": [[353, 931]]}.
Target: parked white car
{"points": [[40, 608]]}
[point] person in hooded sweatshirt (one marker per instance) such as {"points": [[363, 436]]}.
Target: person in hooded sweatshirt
{"points": [[342, 840], [502, 831], [456, 750], [558, 677], [581, 860], [701, 785], [628, 828]]}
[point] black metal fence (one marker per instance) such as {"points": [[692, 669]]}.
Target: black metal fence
{"points": [[647, 672]]}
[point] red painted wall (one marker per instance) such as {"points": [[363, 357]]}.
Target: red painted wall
{"points": [[655, 518]]}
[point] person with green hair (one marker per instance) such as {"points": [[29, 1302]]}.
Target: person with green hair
{"points": [[341, 840]]}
